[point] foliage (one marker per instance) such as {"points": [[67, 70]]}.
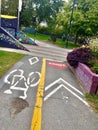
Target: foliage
{"points": [[95, 68], [42, 10], [47, 9], [9, 7], [58, 42], [26, 15], [85, 19], [43, 30], [94, 47], [82, 55], [53, 37], [93, 101]]}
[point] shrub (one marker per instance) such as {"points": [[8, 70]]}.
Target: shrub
{"points": [[82, 55], [96, 68], [53, 37], [94, 47]]}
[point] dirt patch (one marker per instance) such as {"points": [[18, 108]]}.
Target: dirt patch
{"points": [[18, 105]]}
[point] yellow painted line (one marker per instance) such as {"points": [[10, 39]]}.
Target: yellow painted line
{"points": [[37, 115]]}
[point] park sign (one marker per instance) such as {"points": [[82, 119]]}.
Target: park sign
{"points": [[9, 21]]}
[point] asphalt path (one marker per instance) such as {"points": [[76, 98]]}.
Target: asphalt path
{"points": [[63, 108]]}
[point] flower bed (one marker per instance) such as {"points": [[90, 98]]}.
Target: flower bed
{"points": [[86, 77], [82, 61]]}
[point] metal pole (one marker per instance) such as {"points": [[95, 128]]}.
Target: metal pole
{"points": [[0, 13], [19, 10], [69, 29], [18, 16]]}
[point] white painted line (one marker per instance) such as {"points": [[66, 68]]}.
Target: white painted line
{"points": [[60, 80], [49, 86], [76, 95], [16, 76], [25, 92], [53, 60], [60, 86], [51, 93], [6, 78], [72, 86], [8, 91], [33, 60], [30, 82]]}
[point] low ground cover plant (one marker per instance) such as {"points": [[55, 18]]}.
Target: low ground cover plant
{"points": [[93, 101], [82, 55], [85, 54]]}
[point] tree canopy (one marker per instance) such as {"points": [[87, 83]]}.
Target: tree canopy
{"points": [[9, 7], [43, 10], [85, 17]]}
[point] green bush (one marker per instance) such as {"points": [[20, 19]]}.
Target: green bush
{"points": [[95, 67], [94, 47]]}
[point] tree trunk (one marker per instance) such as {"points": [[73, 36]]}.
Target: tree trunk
{"points": [[76, 39]]}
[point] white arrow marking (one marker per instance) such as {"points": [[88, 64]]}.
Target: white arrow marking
{"points": [[60, 80], [72, 87], [51, 93], [60, 86], [33, 60], [76, 95]]}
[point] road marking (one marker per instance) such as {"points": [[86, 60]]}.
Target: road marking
{"points": [[76, 96], [33, 60], [30, 81], [72, 87], [37, 115], [54, 60], [60, 80], [6, 78], [60, 86], [57, 65], [51, 93]]}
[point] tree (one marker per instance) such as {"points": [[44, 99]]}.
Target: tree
{"points": [[26, 13], [47, 9], [9, 7], [85, 18], [43, 10]]}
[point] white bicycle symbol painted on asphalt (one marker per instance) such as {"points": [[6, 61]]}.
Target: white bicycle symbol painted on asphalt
{"points": [[16, 76]]}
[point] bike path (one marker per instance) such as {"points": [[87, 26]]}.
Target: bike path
{"points": [[64, 106], [18, 94]]}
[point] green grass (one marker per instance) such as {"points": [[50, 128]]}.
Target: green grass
{"points": [[7, 60], [38, 36], [62, 44], [58, 42], [93, 101]]}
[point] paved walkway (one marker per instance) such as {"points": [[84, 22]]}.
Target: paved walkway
{"points": [[64, 104]]}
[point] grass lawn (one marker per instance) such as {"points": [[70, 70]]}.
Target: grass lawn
{"points": [[58, 42], [7, 60], [93, 101]]}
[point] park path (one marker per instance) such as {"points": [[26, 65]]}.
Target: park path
{"points": [[64, 105]]}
